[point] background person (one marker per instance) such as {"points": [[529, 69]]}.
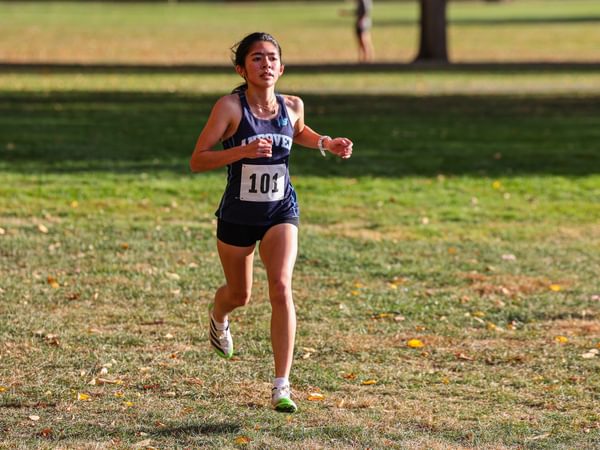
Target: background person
{"points": [[362, 28]]}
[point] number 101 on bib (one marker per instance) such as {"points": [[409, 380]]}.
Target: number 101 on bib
{"points": [[262, 183]]}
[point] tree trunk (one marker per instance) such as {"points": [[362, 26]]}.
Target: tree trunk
{"points": [[433, 44]]}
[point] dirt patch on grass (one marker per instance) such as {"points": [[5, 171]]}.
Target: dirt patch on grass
{"points": [[360, 230], [576, 327], [510, 285]]}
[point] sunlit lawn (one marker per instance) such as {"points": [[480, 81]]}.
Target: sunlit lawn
{"points": [[201, 33]]}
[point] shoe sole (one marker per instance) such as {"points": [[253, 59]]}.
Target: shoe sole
{"points": [[286, 405], [222, 354]]}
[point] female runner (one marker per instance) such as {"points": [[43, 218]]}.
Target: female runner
{"points": [[257, 127]]}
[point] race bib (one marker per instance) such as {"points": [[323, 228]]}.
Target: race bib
{"points": [[262, 183]]}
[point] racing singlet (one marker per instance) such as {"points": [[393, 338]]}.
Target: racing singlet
{"points": [[259, 191]]}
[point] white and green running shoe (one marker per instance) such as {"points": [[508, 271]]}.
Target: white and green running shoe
{"points": [[221, 339], [281, 401]]}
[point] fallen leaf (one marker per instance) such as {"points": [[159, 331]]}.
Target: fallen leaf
{"points": [[415, 343], [45, 433], [590, 354], [124, 245], [83, 397], [349, 376], [128, 404], [52, 339], [53, 282], [383, 315], [242, 440], [368, 382], [555, 287], [315, 396], [3, 389], [561, 339], [107, 381], [398, 280]]}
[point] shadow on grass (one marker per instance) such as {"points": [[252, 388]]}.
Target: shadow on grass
{"points": [[507, 67], [181, 432], [187, 430], [394, 135]]}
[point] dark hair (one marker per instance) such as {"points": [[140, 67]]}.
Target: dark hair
{"points": [[240, 50]]}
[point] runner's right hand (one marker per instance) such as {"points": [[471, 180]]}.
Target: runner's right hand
{"points": [[259, 148]]}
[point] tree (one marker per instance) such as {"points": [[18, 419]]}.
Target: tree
{"points": [[433, 45]]}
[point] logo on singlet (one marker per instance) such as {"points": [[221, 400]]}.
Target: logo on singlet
{"points": [[279, 140]]}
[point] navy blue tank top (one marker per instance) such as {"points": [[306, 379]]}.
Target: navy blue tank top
{"points": [[259, 191]]}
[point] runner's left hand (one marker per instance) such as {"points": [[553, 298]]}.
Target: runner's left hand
{"points": [[341, 147]]}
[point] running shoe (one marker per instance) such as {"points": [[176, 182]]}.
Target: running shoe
{"points": [[281, 401], [221, 340]]}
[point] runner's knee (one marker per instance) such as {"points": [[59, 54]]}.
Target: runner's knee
{"points": [[280, 292], [239, 297]]}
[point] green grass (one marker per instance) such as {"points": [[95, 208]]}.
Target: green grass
{"points": [[467, 218], [202, 32]]}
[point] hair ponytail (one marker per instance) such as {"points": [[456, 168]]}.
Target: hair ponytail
{"points": [[240, 89]]}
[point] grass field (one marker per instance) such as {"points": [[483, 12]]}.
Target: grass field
{"points": [[467, 219], [167, 33]]}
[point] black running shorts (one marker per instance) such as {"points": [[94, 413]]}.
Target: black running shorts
{"points": [[246, 235]]}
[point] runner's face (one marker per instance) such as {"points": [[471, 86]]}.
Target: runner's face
{"points": [[262, 65]]}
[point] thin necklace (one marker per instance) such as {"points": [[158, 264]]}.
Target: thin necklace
{"points": [[269, 108]]}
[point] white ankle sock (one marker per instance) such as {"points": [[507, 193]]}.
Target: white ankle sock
{"points": [[219, 325], [280, 382]]}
